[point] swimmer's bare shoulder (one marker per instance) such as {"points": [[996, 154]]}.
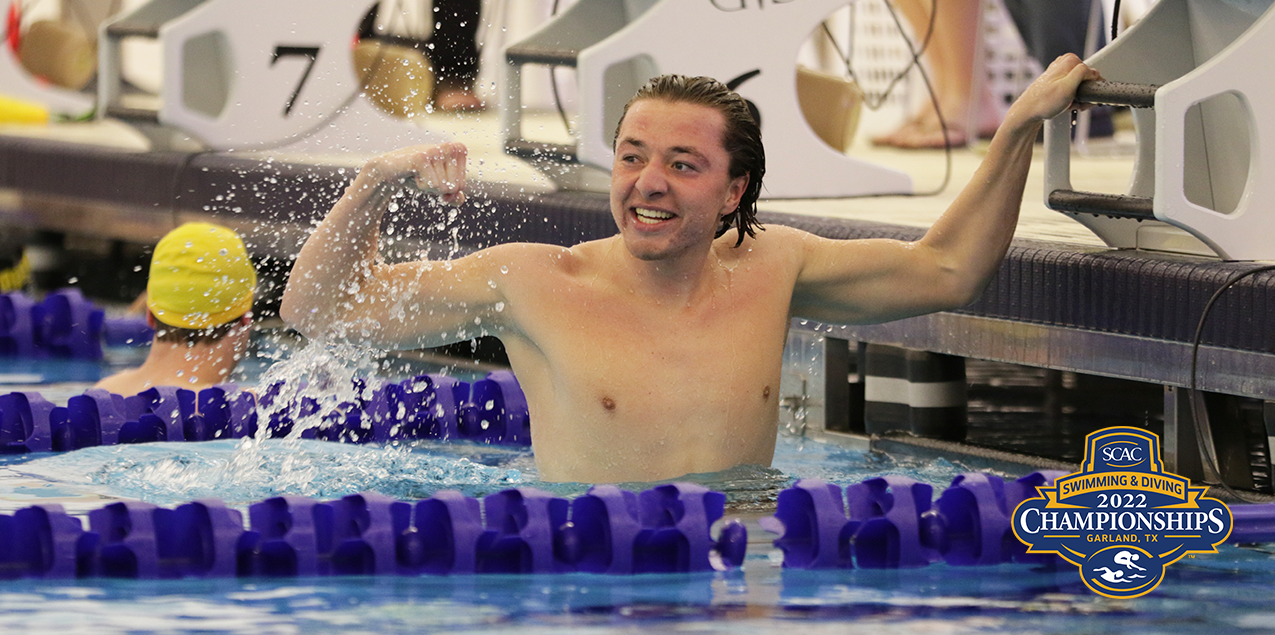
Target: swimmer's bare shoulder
{"points": [[526, 276], [845, 281], [121, 382], [769, 242], [776, 251], [530, 262]]}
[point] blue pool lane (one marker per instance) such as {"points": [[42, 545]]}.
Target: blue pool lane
{"points": [[1227, 592]]}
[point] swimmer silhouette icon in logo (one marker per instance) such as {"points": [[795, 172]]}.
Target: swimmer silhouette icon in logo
{"points": [[1122, 569]]}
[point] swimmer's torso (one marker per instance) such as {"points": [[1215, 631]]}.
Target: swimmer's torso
{"points": [[627, 388]]}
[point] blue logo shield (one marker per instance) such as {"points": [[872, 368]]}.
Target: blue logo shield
{"points": [[1122, 519]]}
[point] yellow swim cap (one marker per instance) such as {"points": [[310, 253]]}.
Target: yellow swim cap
{"points": [[200, 277]]}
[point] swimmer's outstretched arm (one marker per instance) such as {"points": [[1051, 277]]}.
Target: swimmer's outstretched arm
{"points": [[867, 281], [340, 288]]}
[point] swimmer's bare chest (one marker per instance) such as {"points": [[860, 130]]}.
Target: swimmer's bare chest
{"points": [[626, 388]]}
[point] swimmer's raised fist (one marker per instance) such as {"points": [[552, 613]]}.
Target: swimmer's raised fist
{"points": [[432, 168]]}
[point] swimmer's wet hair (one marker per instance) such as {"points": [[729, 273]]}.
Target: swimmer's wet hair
{"points": [[741, 138]]}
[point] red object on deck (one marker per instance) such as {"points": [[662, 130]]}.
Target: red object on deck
{"points": [[13, 30]]}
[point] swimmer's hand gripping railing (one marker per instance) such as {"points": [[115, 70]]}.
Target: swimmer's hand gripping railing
{"points": [[1202, 176], [1114, 206]]}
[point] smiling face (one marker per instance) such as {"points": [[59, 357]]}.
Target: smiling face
{"points": [[670, 183]]}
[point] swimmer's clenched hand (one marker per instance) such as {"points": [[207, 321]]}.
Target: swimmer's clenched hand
{"points": [[436, 169], [338, 282], [1053, 93]]}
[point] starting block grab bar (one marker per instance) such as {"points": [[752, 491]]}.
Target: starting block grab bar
{"points": [[1117, 94], [1138, 208], [1202, 173]]}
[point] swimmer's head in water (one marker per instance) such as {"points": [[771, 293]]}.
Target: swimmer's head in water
{"points": [[201, 277], [741, 138]]}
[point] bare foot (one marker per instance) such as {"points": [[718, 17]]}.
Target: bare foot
{"points": [[458, 100], [924, 131], [921, 134]]}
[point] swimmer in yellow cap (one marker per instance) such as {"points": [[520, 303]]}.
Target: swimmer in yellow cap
{"points": [[199, 297]]}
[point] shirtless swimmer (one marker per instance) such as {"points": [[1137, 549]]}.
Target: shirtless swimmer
{"points": [[656, 353]]}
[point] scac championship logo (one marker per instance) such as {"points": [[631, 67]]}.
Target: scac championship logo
{"points": [[1122, 519]]}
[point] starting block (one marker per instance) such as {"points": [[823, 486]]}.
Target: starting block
{"points": [[1205, 119], [752, 46], [15, 81], [245, 75]]}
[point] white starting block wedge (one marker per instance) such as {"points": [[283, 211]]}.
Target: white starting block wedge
{"points": [[15, 81], [751, 45], [246, 74], [1205, 120]]}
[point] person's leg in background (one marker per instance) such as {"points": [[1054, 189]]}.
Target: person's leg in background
{"points": [[453, 49], [950, 60], [1051, 28]]}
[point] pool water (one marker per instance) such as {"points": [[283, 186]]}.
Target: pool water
{"points": [[761, 599], [1228, 592]]}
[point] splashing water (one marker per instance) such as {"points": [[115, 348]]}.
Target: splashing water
{"points": [[170, 474], [240, 472], [251, 469]]}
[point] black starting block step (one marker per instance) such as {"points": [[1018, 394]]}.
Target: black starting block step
{"points": [[128, 29], [139, 115], [1113, 205], [548, 56], [538, 151]]}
